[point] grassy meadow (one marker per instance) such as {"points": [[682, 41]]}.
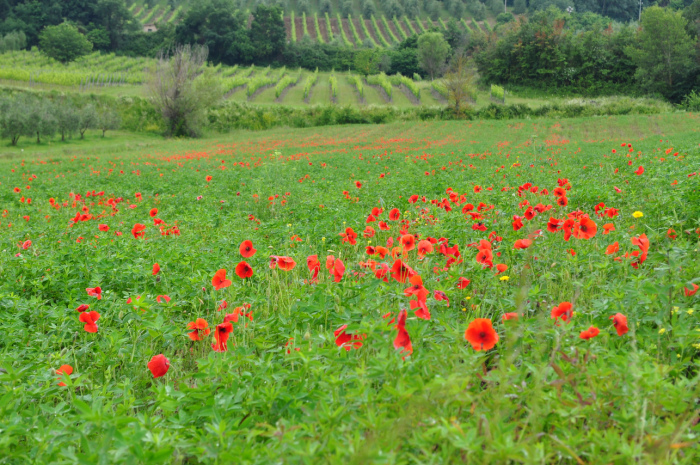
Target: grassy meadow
{"points": [[519, 291]]}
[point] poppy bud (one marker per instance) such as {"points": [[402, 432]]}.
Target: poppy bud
{"points": [[307, 336]]}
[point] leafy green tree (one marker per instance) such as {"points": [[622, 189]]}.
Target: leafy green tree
{"points": [[663, 52], [67, 119], [367, 62], [221, 27], [99, 38], [519, 7], [87, 119], [267, 34], [15, 120], [108, 119], [432, 52], [114, 17], [43, 122], [63, 43]]}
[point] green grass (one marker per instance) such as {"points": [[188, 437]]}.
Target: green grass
{"points": [[541, 395]]}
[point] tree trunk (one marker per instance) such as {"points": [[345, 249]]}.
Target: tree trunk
{"points": [[38, 141]]}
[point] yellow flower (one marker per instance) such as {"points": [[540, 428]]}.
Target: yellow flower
{"points": [[662, 330], [505, 278], [638, 214], [289, 225], [323, 239], [676, 310], [678, 355], [468, 297], [697, 346], [464, 309], [689, 311]]}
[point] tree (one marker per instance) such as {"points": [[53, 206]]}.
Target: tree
{"points": [[519, 7], [460, 81], [367, 62], [116, 19], [63, 43], [15, 120], [107, 120], [267, 33], [432, 52], [44, 124], [219, 26], [663, 53], [181, 91], [87, 119], [99, 38], [67, 119]]}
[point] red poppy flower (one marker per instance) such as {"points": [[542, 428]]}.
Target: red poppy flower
{"points": [[590, 333], [159, 365], [139, 230], [103, 227], [671, 233], [462, 283], [608, 227], [243, 270], [417, 290], [612, 248], [221, 334], [510, 316], [94, 292], [347, 341], [156, 269], [424, 247], [481, 335], [163, 298], [358, 184], [620, 323], [219, 280], [81, 308], [439, 295], [401, 272], [422, 311], [562, 201], [314, 266], [408, 241], [336, 268], [64, 370], [564, 311], [247, 249], [522, 244], [403, 340], [485, 257], [368, 232], [199, 325], [383, 226], [153, 212], [349, 236], [639, 171], [642, 242], [381, 272], [394, 214], [286, 263], [500, 268], [239, 312], [90, 320], [208, 178], [585, 229], [691, 292]]}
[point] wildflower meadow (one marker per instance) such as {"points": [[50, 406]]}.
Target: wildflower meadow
{"points": [[521, 291]]}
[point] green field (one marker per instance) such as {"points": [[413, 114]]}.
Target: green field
{"points": [[399, 384]]}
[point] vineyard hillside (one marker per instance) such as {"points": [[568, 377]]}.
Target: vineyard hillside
{"points": [[387, 24]]}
